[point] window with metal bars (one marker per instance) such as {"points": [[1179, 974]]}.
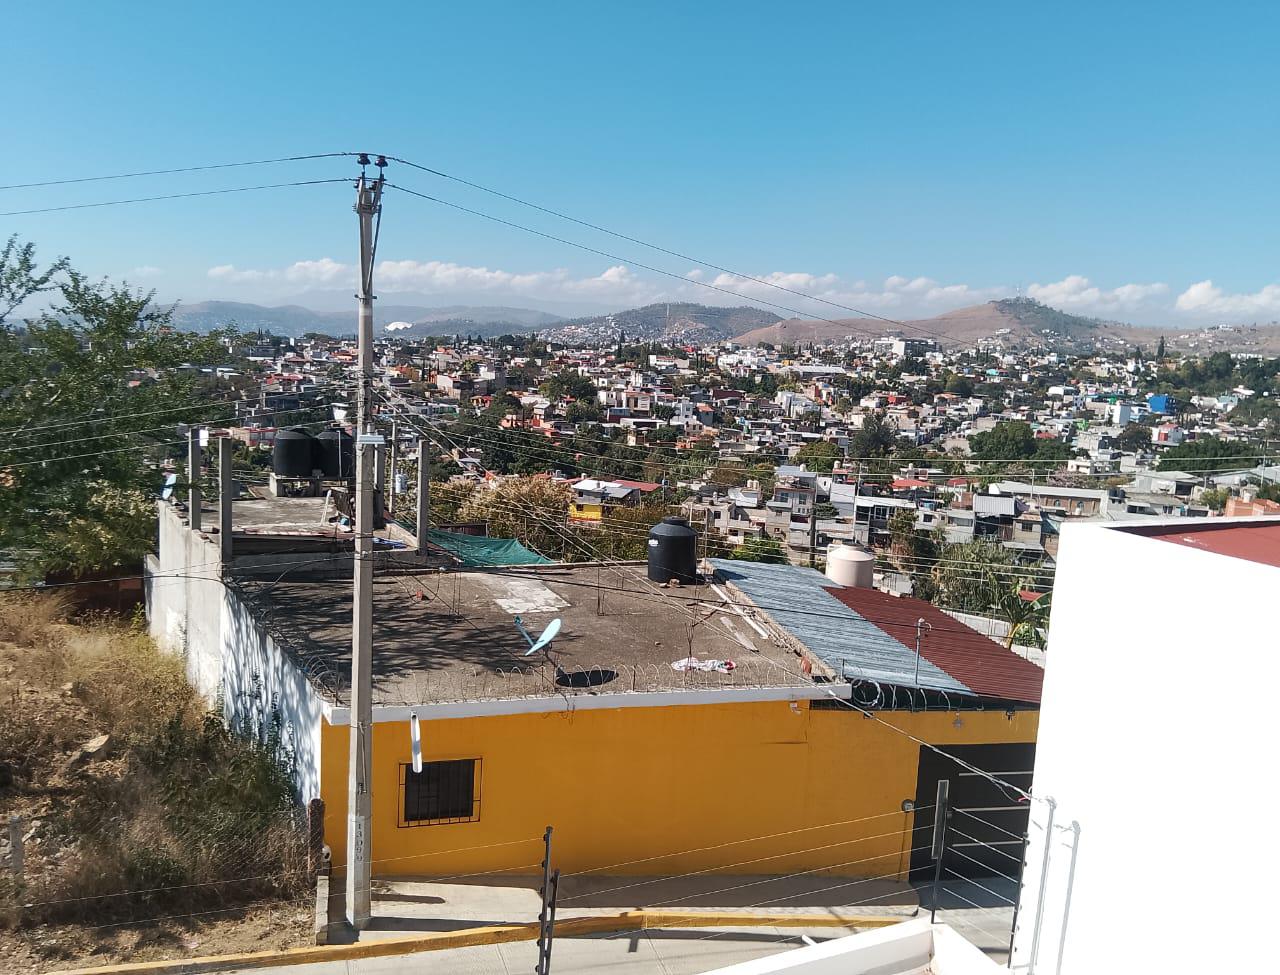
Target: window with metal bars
{"points": [[443, 792]]}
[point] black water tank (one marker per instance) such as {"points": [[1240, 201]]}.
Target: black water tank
{"points": [[336, 453], [292, 454], [673, 551]]}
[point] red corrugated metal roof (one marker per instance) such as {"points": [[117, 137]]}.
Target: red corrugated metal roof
{"points": [[1258, 542], [971, 658]]}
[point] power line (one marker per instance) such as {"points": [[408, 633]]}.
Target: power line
{"points": [[664, 250], [191, 405], [214, 421], [169, 172], [172, 196], [97, 453], [647, 267]]}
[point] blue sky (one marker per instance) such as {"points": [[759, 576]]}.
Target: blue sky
{"points": [[1113, 159]]}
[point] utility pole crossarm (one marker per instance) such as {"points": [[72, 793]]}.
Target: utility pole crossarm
{"points": [[369, 211]]}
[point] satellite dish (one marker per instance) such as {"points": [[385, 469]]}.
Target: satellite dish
{"points": [[547, 636], [415, 741]]}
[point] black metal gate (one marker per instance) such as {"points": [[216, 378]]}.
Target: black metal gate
{"points": [[988, 821]]}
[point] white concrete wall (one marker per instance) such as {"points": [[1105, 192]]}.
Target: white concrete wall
{"points": [[1157, 736], [909, 948], [266, 696], [230, 659]]}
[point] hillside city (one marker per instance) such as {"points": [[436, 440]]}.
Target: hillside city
{"points": [[616, 489], [688, 523], [890, 443]]}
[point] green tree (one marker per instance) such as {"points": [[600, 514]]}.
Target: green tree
{"points": [[20, 279], [1024, 615], [877, 437], [583, 411], [1206, 454], [94, 394], [963, 572], [568, 384], [760, 550], [530, 509], [1215, 499], [821, 455], [1015, 440], [1134, 437], [1010, 440]]}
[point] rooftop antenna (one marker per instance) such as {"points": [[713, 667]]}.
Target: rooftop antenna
{"points": [[549, 634]]}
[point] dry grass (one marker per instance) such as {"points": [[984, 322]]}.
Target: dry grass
{"points": [[32, 619], [177, 816]]}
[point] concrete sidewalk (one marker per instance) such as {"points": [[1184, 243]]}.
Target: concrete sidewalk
{"points": [[665, 952], [404, 906]]}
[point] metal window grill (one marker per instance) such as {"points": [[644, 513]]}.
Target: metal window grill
{"points": [[443, 792]]}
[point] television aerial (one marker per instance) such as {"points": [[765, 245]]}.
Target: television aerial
{"points": [[545, 639]]}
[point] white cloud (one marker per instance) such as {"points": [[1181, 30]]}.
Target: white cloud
{"points": [[1206, 298], [1077, 293], [233, 275], [897, 296], [322, 271], [917, 295]]}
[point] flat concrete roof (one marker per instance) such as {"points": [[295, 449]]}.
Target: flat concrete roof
{"points": [[451, 636], [284, 516]]}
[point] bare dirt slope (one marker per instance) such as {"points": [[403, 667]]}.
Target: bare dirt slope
{"points": [[1023, 322], [1017, 321], [104, 751]]}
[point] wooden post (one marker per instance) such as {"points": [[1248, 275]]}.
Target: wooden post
{"points": [[315, 837], [16, 859]]}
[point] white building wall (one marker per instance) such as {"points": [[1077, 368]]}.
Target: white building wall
{"points": [[1155, 735], [231, 661], [265, 695]]}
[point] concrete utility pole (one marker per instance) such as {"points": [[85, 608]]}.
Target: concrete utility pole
{"points": [[226, 494], [391, 469], [193, 477], [423, 520], [369, 209], [369, 455], [360, 760]]}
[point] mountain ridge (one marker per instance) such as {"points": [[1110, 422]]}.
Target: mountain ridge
{"points": [[661, 322], [294, 320], [1014, 321]]}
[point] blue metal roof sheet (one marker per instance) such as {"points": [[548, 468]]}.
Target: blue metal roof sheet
{"points": [[850, 644]]}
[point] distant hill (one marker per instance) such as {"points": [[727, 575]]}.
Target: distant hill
{"points": [[663, 322], [1016, 322], [297, 320]]}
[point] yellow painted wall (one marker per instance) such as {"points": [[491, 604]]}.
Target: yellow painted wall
{"points": [[631, 784]]}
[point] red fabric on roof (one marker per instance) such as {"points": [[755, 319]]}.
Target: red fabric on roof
{"points": [[903, 483], [976, 661]]}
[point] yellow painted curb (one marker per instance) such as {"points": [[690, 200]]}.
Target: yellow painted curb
{"points": [[489, 935]]}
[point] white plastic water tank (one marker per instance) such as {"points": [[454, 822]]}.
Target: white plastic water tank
{"points": [[848, 565]]}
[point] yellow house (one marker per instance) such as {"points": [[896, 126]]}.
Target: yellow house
{"points": [[667, 730], [764, 720], [592, 497]]}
